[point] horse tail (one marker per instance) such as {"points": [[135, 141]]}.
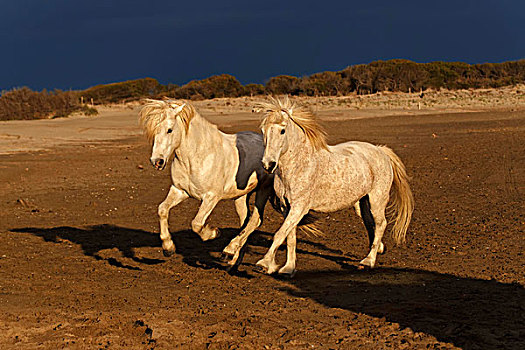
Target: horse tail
{"points": [[402, 201], [308, 223]]}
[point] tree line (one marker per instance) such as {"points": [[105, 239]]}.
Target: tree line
{"points": [[392, 75]]}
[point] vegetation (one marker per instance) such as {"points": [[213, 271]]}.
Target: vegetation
{"points": [[123, 92], [254, 89], [404, 75], [22, 103], [223, 85], [393, 75]]}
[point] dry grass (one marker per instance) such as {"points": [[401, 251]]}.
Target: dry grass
{"points": [[512, 97]]}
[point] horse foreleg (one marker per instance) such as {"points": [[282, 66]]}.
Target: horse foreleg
{"points": [[237, 246], [199, 226], [174, 197], [291, 243], [239, 241], [290, 223]]}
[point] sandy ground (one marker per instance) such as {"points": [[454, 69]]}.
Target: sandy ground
{"points": [[81, 264]]}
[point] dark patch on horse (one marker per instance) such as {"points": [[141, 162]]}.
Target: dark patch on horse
{"points": [[368, 219], [241, 181], [246, 166]]}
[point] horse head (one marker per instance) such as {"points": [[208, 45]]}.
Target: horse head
{"points": [[165, 123]]}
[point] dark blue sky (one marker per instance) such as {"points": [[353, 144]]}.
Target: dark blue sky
{"points": [[76, 44]]}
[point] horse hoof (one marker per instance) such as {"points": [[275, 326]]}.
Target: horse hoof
{"points": [[287, 274], [208, 234], [260, 269], [216, 234], [364, 267], [224, 257], [168, 253]]}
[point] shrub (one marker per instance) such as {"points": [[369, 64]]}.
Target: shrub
{"points": [[23, 103], [254, 89], [123, 92], [324, 84], [223, 85], [88, 111], [402, 75], [168, 90], [284, 84]]}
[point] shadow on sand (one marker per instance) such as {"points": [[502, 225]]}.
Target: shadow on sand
{"points": [[96, 238], [195, 252], [470, 313]]}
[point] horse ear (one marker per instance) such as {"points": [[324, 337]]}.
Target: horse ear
{"points": [[178, 108], [287, 113]]}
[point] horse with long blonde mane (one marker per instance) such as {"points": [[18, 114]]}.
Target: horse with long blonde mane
{"points": [[207, 165], [311, 175]]}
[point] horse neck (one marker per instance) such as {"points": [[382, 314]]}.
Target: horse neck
{"points": [[200, 135], [300, 153]]}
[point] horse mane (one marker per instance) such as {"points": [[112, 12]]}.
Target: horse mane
{"points": [[303, 117], [155, 112]]}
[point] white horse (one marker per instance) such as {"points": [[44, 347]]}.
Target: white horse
{"points": [[207, 165], [310, 175]]}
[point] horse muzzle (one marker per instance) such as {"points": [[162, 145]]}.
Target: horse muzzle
{"points": [[158, 163], [269, 167]]}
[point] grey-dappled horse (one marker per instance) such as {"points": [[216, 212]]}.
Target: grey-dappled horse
{"points": [[207, 165], [311, 175]]}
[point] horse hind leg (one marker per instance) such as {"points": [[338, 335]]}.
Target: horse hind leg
{"points": [[368, 219], [362, 209], [373, 216], [242, 208]]}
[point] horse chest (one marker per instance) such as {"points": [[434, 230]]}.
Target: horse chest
{"points": [[196, 184], [293, 191]]}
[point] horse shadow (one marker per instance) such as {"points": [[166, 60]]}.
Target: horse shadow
{"points": [[96, 238], [196, 253], [93, 239], [470, 313]]}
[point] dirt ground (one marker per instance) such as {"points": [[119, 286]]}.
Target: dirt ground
{"points": [[81, 264]]}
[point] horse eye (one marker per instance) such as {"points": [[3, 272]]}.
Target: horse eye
{"points": [[282, 132], [169, 131]]}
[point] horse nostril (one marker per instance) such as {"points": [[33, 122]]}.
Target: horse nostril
{"points": [[270, 167], [159, 162]]}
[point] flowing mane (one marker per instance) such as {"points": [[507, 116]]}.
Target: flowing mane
{"points": [[304, 118], [155, 112]]}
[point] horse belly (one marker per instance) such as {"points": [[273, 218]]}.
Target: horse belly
{"points": [[231, 190], [329, 204]]}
